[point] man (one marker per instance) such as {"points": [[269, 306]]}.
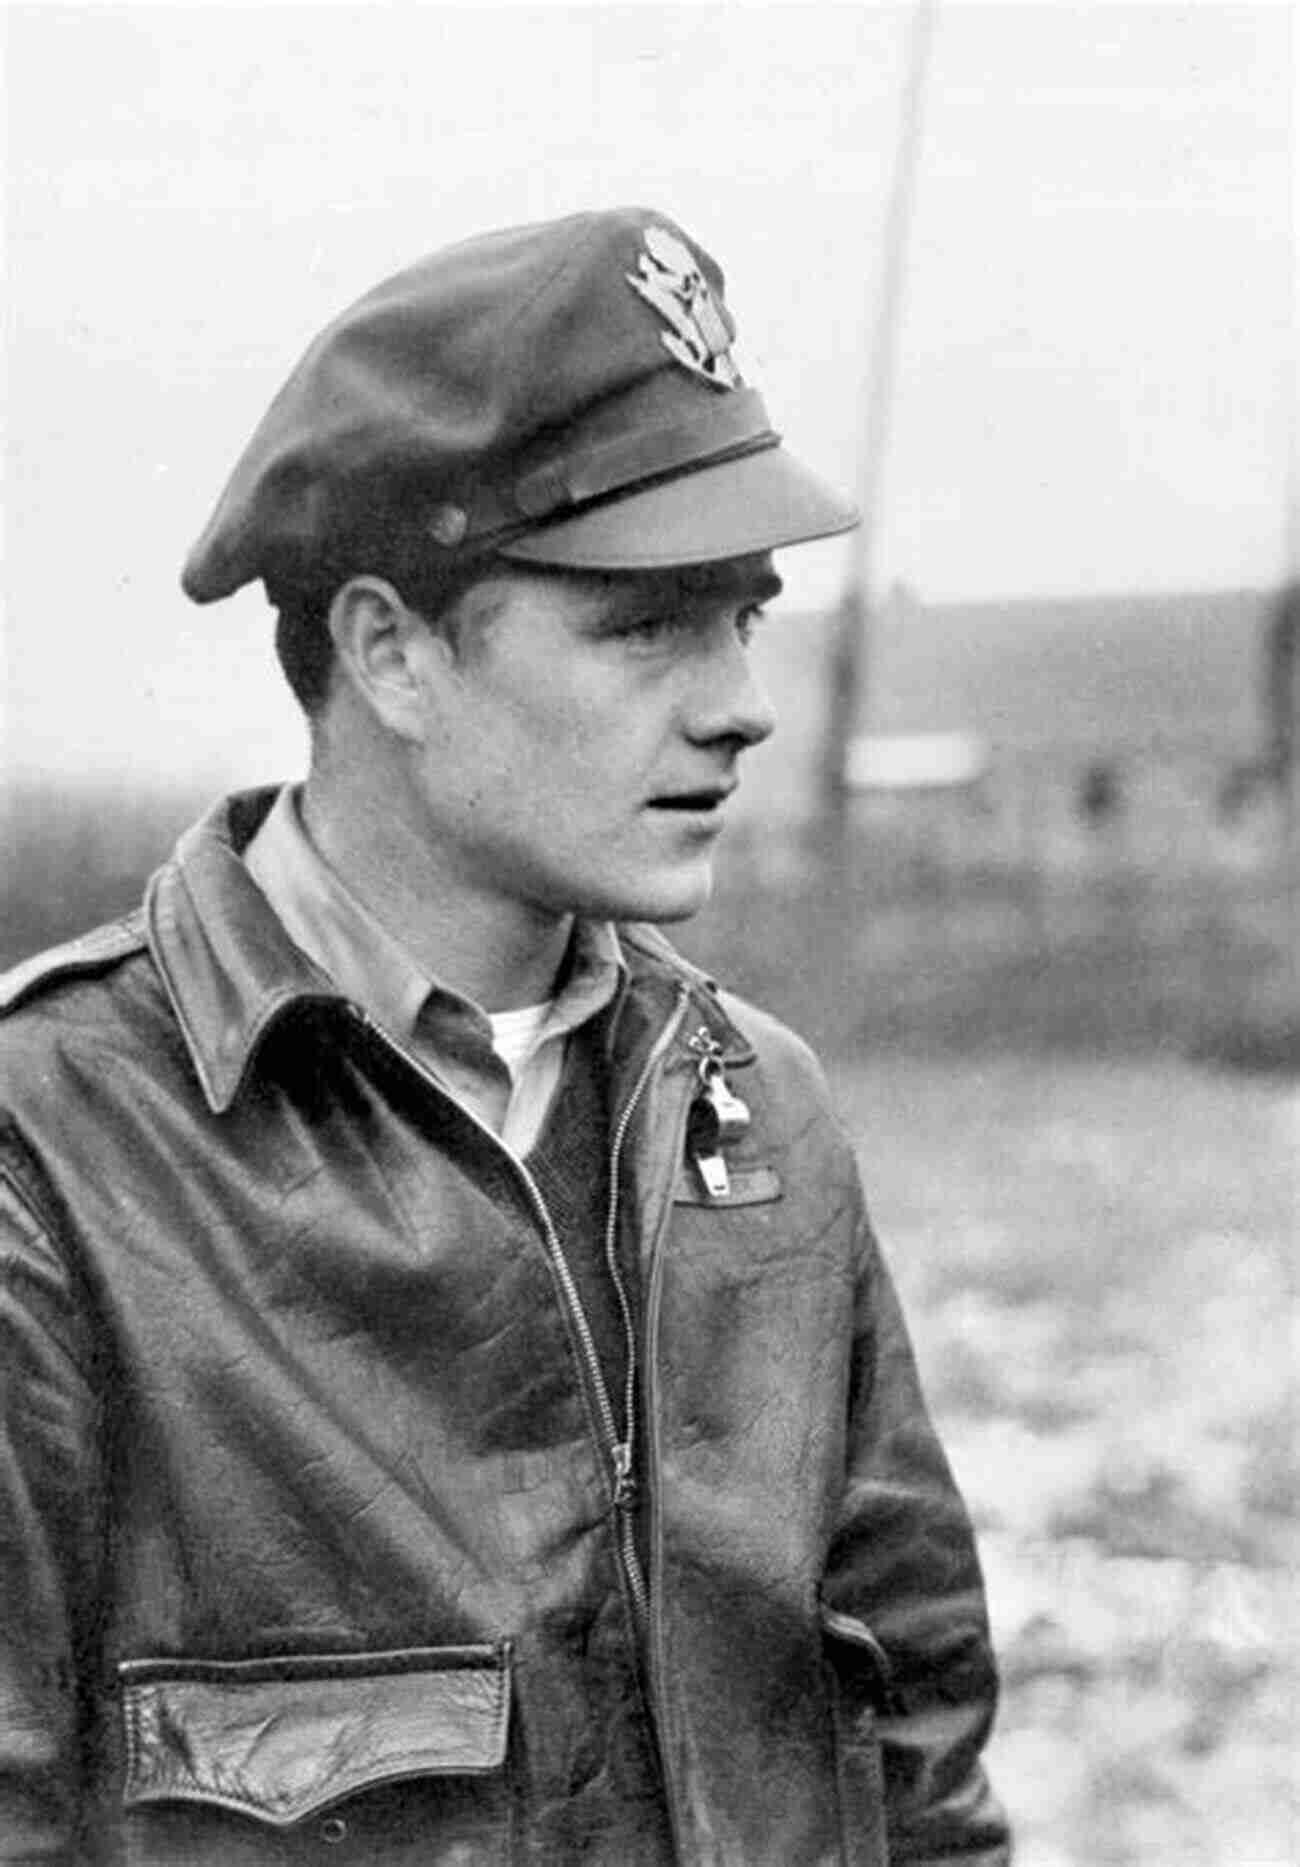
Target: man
{"points": [[456, 1409]]}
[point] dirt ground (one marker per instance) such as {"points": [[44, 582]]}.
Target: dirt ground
{"points": [[1098, 1261]]}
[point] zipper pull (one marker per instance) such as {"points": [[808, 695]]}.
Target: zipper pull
{"points": [[624, 1477]]}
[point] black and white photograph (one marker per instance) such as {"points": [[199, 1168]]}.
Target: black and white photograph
{"points": [[649, 939]]}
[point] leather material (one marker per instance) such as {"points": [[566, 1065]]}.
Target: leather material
{"points": [[746, 1186], [282, 1739], [290, 1383]]}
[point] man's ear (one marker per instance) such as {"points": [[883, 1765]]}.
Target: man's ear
{"points": [[385, 650]]}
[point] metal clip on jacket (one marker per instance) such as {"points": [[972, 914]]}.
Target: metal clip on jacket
{"points": [[718, 1116]]}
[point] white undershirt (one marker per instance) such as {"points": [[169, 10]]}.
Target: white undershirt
{"points": [[515, 1032]]}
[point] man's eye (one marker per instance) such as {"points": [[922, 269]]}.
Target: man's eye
{"points": [[653, 628], [667, 625]]}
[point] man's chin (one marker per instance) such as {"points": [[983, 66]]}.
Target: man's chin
{"points": [[670, 905], [660, 900]]}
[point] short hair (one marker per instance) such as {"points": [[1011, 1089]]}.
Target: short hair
{"points": [[303, 644]]}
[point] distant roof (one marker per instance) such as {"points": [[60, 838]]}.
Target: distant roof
{"points": [[1072, 677], [1105, 673]]}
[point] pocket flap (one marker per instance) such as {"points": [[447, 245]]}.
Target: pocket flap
{"points": [[280, 1738]]}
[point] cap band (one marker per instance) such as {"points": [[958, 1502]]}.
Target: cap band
{"points": [[590, 472]]}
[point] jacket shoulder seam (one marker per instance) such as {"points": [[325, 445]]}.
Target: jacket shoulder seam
{"points": [[90, 954]]}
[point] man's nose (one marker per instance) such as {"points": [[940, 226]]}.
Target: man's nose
{"points": [[729, 700]]}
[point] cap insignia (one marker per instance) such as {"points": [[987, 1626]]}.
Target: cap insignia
{"points": [[670, 278]]}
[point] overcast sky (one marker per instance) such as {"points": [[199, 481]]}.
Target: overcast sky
{"points": [[1096, 377]]}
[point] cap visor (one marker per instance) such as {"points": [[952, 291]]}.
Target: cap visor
{"points": [[731, 509]]}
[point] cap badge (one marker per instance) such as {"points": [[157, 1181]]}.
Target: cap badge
{"points": [[670, 278]]}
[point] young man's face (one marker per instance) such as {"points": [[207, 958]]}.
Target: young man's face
{"points": [[593, 735]]}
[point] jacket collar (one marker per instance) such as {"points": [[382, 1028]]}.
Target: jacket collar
{"points": [[230, 969], [232, 972], [659, 958]]}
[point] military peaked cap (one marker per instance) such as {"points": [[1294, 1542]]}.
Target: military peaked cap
{"points": [[563, 394]]}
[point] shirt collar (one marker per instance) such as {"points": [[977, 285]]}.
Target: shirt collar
{"points": [[369, 964], [233, 974], [592, 978]]}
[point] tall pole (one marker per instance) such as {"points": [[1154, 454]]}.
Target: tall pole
{"points": [[850, 654], [1286, 643]]}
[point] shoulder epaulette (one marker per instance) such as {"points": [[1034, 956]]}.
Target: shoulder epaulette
{"points": [[91, 953]]}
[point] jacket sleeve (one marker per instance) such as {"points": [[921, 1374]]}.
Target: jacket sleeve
{"points": [[49, 1539], [903, 1572]]}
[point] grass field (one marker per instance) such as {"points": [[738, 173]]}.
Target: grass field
{"points": [[1098, 1260]]}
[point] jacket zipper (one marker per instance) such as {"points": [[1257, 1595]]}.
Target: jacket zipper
{"points": [[653, 1640], [625, 1483], [620, 1451]]}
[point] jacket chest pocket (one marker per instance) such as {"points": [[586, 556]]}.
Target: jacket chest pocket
{"points": [[742, 1186], [382, 1758]]}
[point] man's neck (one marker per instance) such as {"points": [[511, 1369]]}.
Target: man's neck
{"points": [[500, 955]]}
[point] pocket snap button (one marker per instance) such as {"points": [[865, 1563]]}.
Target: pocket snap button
{"points": [[333, 1829]]}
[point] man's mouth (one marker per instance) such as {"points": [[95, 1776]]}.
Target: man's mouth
{"points": [[708, 798]]}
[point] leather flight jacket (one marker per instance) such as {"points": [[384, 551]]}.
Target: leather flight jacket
{"points": [[322, 1537]]}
